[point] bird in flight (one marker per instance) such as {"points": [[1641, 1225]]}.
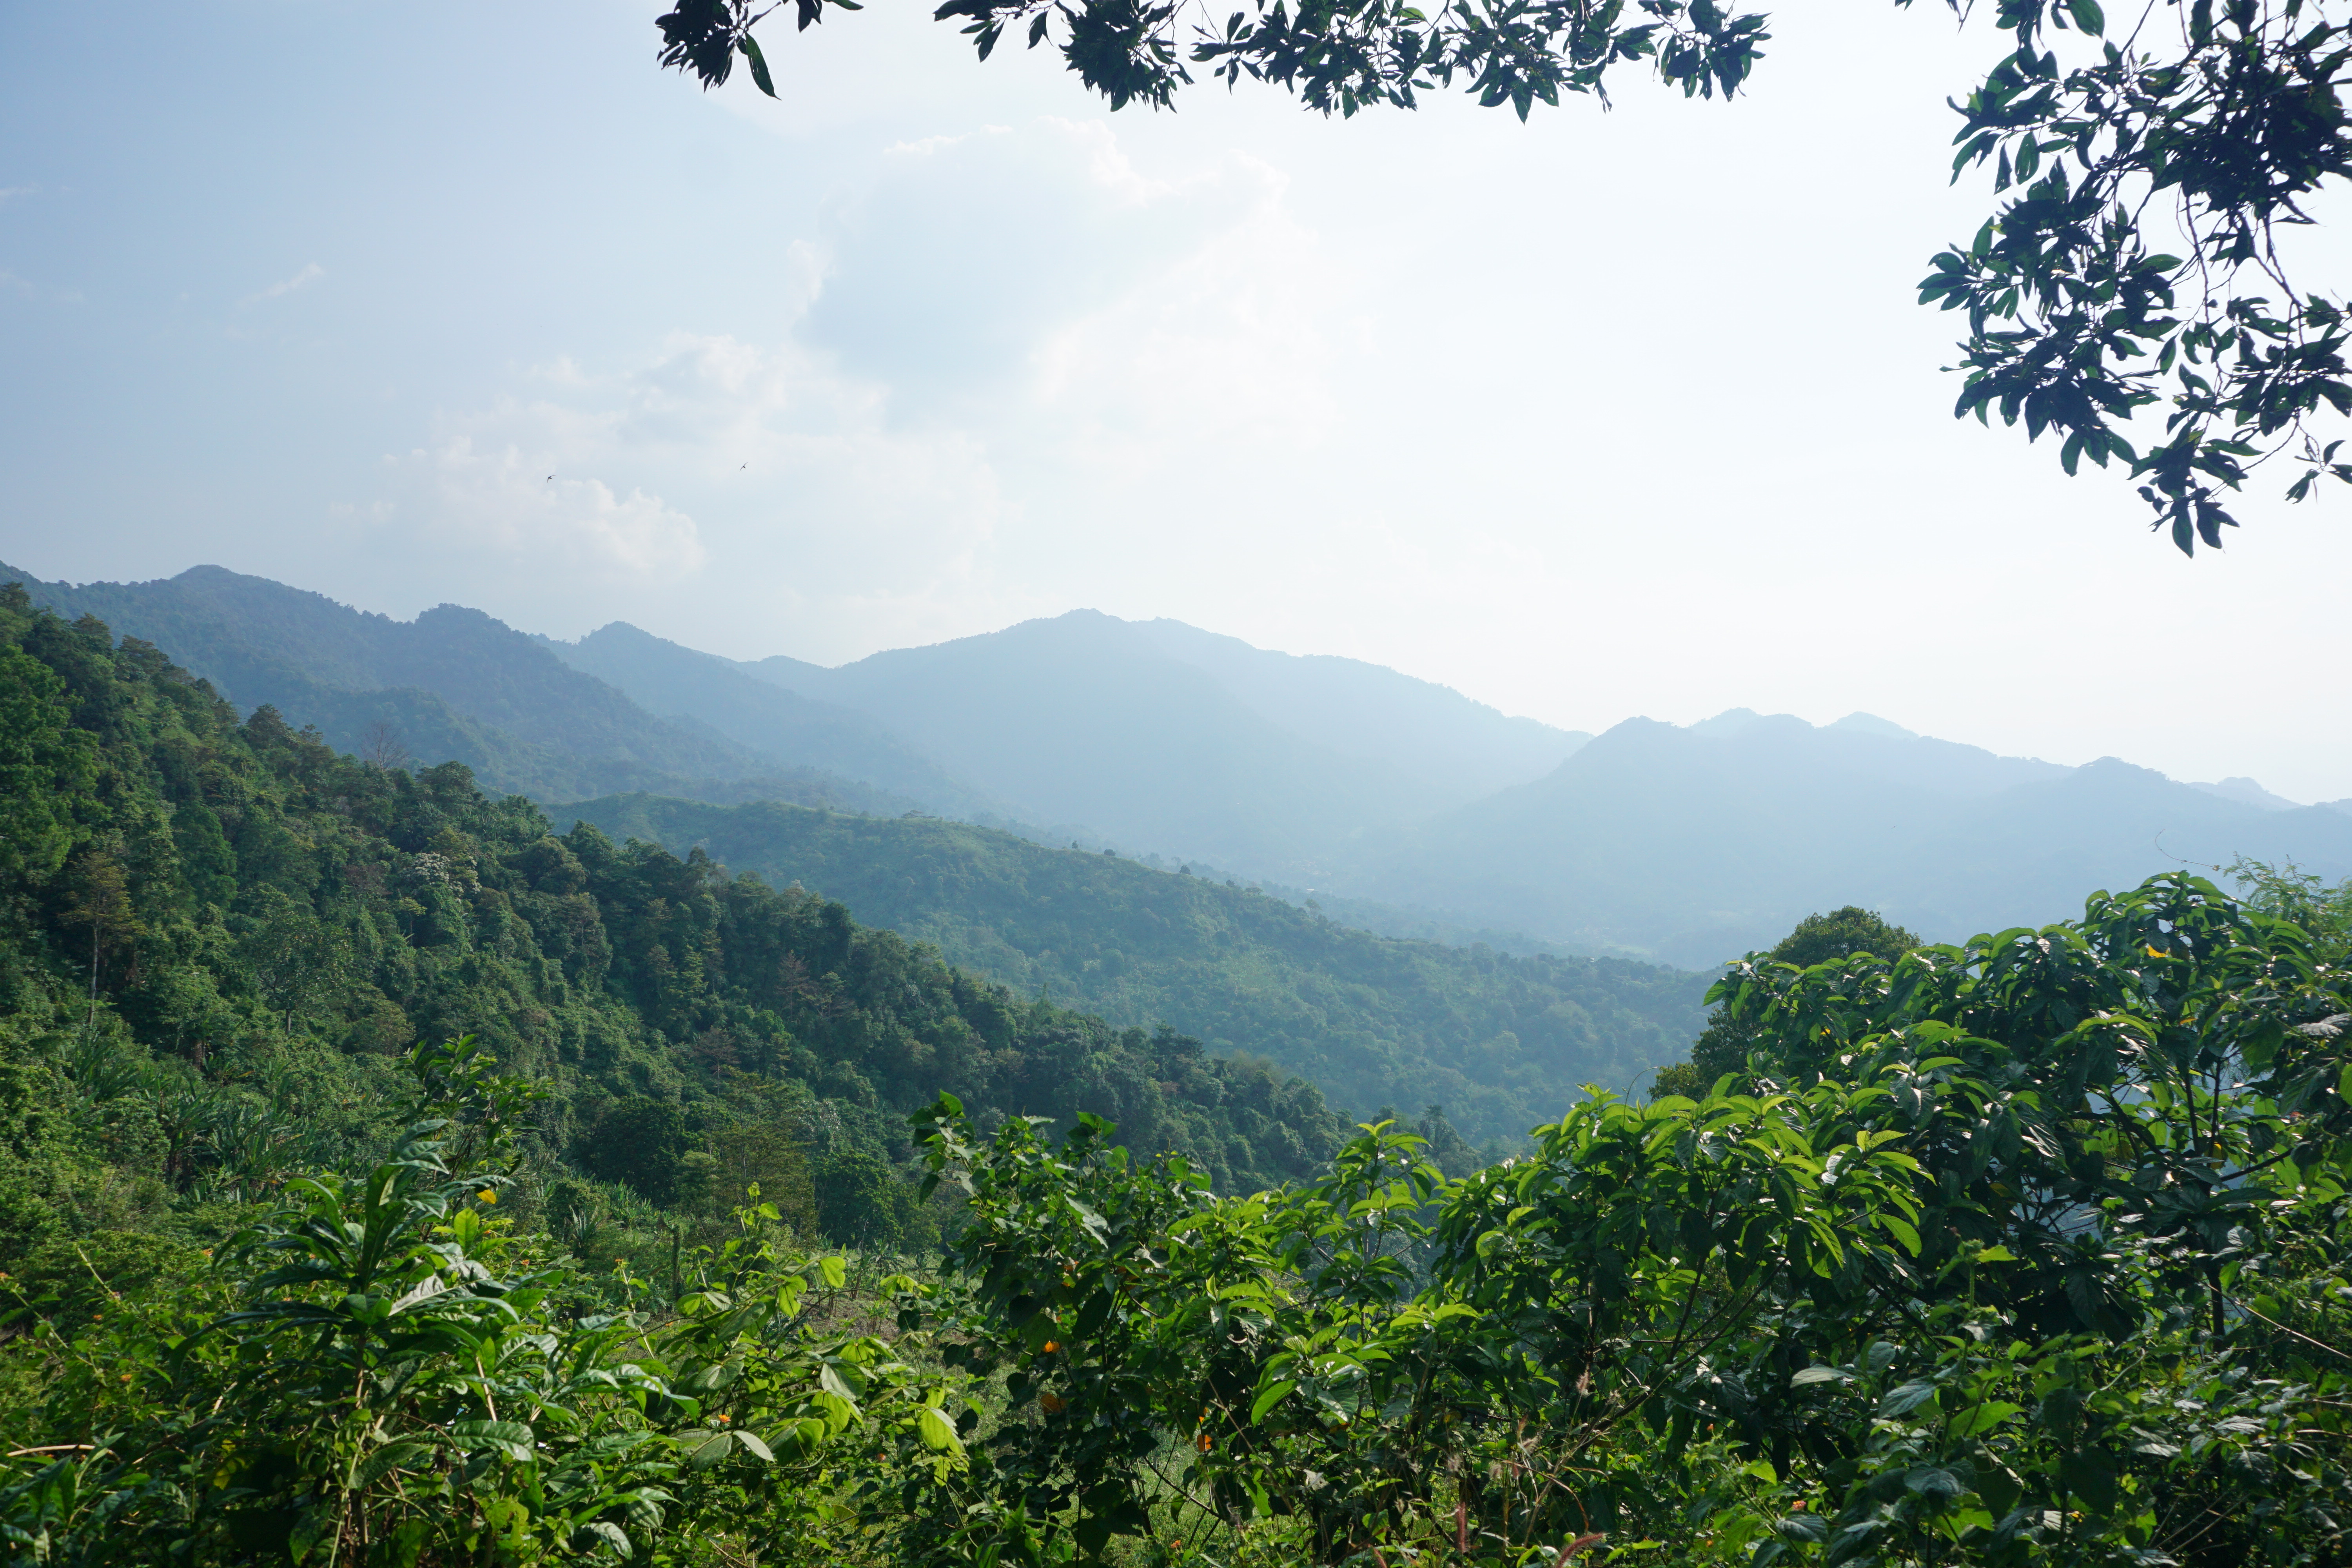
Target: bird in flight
{"points": [[551, 478]]}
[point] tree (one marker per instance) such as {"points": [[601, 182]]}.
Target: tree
{"points": [[639, 1142], [44, 762], [99, 902], [1723, 1046], [2203, 132]]}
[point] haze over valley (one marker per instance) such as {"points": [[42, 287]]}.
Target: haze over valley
{"points": [[1407, 806]]}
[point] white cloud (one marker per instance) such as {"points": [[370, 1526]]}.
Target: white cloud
{"points": [[503, 504], [311, 272], [936, 384]]}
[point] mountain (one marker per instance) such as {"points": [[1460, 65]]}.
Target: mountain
{"points": [[1691, 845], [765, 718], [1500, 1041], [1160, 736], [2246, 791], [1399, 804], [452, 685]]}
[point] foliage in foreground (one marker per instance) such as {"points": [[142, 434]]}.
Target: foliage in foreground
{"points": [[2026, 1251]]}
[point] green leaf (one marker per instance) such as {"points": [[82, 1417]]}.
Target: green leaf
{"points": [[1909, 1397], [392, 1457], [1933, 1480], [416, 1295], [751, 1443], [612, 1534], [2087, 16], [512, 1438], [316, 1524], [1813, 1374], [832, 1272], [760, 77], [936, 1431], [1268, 1397], [1978, 1419]]}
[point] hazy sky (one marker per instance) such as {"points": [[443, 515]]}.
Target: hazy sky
{"points": [[1609, 414]]}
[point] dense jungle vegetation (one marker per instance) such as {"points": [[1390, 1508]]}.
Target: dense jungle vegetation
{"points": [[221, 937], [1496, 1039], [397, 1183]]}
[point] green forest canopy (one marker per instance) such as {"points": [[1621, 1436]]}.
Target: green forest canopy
{"points": [[2203, 130], [218, 939], [1500, 1042]]}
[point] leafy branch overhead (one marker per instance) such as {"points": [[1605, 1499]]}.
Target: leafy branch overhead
{"points": [[2128, 293]]}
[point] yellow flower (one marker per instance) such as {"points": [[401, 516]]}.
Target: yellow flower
{"points": [[2156, 952], [487, 1195]]}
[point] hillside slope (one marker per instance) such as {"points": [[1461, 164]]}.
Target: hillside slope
{"points": [[221, 935], [1501, 1042]]}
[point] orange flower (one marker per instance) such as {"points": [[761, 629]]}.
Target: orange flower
{"points": [[1052, 1402], [1053, 1345]]}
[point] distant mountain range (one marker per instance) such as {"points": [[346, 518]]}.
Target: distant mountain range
{"points": [[1400, 803], [1695, 844], [1153, 735], [451, 685]]}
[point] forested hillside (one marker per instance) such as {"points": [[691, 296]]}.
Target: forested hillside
{"points": [[1500, 1042], [218, 938]]}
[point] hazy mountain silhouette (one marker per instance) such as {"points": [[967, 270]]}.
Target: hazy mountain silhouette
{"points": [[1163, 737], [452, 685], [1684, 845], [767, 719], [1692, 845]]}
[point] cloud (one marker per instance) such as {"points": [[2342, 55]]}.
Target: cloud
{"points": [[10, 192], [1001, 352], [763, 461], [500, 503], [311, 272]]}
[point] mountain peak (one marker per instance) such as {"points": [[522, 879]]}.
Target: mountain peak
{"points": [[1730, 722], [2246, 791], [1872, 724]]}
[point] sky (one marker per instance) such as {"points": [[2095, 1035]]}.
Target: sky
{"points": [[1609, 414]]}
